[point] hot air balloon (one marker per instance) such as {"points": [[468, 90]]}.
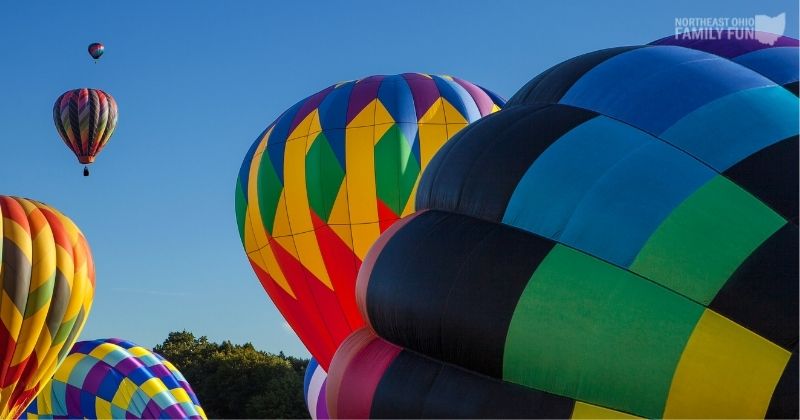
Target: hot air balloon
{"points": [[47, 275], [85, 120], [314, 390], [96, 50], [113, 378], [321, 183], [620, 240]]}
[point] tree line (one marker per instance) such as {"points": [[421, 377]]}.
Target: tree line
{"points": [[236, 380]]}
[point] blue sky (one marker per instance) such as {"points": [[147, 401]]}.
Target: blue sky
{"points": [[197, 81]]}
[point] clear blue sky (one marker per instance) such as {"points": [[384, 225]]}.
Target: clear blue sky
{"points": [[197, 81]]}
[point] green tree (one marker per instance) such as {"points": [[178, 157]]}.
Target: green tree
{"points": [[238, 381]]}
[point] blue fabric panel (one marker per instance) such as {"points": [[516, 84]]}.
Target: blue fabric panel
{"points": [[777, 64], [651, 88], [87, 405], [109, 385], [310, 368], [276, 144], [604, 188], [58, 392], [81, 369], [395, 95], [458, 97], [732, 128]]}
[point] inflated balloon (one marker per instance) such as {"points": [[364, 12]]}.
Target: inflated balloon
{"points": [[85, 120], [321, 183], [96, 50], [314, 390], [113, 378], [47, 275], [771, 55], [621, 239]]}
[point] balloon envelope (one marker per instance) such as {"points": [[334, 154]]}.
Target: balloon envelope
{"points": [[96, 50], [113, 378], [47, 275], [85, 119], [321, 183], [621, 239], [314, 390]]}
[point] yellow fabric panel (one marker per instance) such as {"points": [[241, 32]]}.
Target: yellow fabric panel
{"points": [[271, 266], [345, 233], [11, 316], [201, 411], [495, 108], [434, 114], [153, 386], [102, 408], [301, 130], [180, 395], [316, 125], [340, 213], [44, 247], [365, 118], [19, 236], [44, 400], [138, 351], [287, 244], [452, 129], [583, 410], [281, 225], [310, 140], [32, 328], [431, 139], [364, 235], [311, 256], [67, 366], [102, 350], [725, 371], [122, 398], [380, 130], [294, 178], [411, 200], [256, 236], [382, 115], [451, 114], [360, 163]]}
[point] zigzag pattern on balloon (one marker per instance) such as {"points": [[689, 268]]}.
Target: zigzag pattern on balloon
{"points": [[47, 276], [323, 181], [113, 378], [85, 120]]}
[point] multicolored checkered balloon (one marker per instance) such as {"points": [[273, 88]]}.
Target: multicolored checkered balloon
{"points": [[113, 378], [328, 176]]}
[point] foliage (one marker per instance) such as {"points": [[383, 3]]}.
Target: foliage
{"points": [[236, 380]]}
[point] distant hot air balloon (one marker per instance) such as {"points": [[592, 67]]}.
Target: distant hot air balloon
{"points": [[621, 239], [85, 120], [116, 379], [47, 278], [314, 390], [96, 50], [321, 183]]}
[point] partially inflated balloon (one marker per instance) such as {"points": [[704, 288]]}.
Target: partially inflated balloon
{"points": [[85, 120], [328, 176], [96, 50], [314, 390], [47, 278], [113, 378], [621, 239]]}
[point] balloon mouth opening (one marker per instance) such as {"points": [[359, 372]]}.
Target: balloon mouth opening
{"points": [[86, 159]]}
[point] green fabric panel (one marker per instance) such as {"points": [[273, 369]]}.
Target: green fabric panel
{"points": [[699, 246], [39, 297], [396, 169], [594, 332], [65, 330], [323, 177], [241, 208], [269, 192]]}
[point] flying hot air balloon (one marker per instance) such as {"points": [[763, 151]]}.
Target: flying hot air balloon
{"points": [[321, 183], [47, 275], [96, 50], [85, 120], [620, 240]]}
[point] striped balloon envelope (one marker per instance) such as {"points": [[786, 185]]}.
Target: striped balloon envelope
{"points": [[113, 378], [47, 276], [321, 183], [314, 390], [620, 240], [85, 119]]}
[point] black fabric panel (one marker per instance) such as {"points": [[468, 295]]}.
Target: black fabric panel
{"points": [[446, 285], [551, 85], [762, 293], [792, 87], [417, 387], [784, 403], [481, 166], [772, 174]]}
